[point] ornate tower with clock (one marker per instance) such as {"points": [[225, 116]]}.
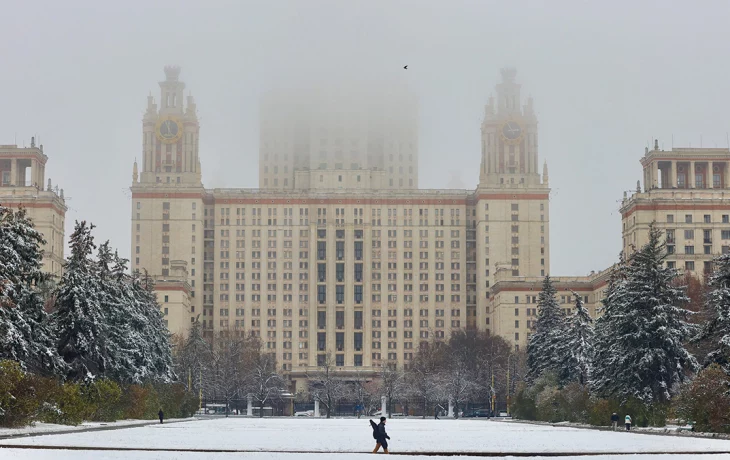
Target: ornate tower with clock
{"points": [[512, 200], [170, 135], [169, 203], [509, 138]]}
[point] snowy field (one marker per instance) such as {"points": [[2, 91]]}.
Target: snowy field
{"points": [[302, 439]]}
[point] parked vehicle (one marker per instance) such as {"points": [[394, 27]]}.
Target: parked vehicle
{"points": [[306, 413], [478, 413]]}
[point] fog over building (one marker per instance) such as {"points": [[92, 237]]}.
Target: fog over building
{"points": [[339, 252]]}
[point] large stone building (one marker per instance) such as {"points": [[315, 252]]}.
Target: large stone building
{"points": [[686, 192], [339, 252], [22, 177]]}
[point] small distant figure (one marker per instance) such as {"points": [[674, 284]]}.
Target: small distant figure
{"points": [[627, 420], [161, 415], [381, 437], [614, 420], [405, 67]]}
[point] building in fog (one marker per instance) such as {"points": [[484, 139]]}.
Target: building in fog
{"points": [[686, 194], [22, 179], [365, 132], [339, 252]]}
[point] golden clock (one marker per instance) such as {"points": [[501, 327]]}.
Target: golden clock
{"points": [[169, 130], [512, 132]]}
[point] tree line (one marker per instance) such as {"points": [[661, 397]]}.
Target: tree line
{"points": [[642, 354], [77, 346]]}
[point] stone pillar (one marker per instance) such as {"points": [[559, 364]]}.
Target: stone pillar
{"points": [[13, 172], [383, 406], [451, 408], [316, 407], [710, 175], [691, 174], [674, 181], [249, 406], [726, 173]]}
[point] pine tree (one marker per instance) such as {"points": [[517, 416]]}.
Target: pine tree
{"points": [[717, 328], [545, 344], [640, 345], [78, 320], [578, 346], [24, 331], [157, 350]]}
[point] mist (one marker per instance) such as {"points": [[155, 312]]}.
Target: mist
{"points": [[606, 79]]}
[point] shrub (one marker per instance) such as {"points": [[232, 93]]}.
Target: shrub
{"points": [[705, 401], [102, 399], [18, 401]]}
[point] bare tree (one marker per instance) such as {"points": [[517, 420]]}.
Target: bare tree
{"points": [[229, 365], [392, 384], [363, 391], [422, 379], [192, 357], [325, 386], [264, 383]]}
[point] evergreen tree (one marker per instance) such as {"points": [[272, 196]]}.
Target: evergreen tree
{"points": [[78, 319], [24, 331], [640, 346], [717, 328], [157, 351], [545, 345], [578, 351]]}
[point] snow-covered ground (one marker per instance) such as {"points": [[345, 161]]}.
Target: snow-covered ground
{"points": [[276, 436], [42, 428]]}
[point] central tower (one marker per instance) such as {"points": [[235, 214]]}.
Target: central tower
{"points": [[170, 135], [509, 138]]}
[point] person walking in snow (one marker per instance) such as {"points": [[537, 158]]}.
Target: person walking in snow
{"points": [[614, 420], [627, 420], [161, 415], [381, 437]]}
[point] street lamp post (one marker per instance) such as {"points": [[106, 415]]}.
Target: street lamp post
{"points": [[509, 357]]}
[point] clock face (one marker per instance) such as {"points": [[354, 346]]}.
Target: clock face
{"points": [[169, 130], [511, 130]]}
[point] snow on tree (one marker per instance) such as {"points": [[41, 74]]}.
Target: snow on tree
{"points": [[422, 378], [717, 328], [78, 320], [24, 331], [326, 386], [545, 344], [640, 342], [264, 383], [392, 384], [577, 354], [156, 350], [192, 358]]}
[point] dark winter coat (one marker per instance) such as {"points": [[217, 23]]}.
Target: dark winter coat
{"points": [[382, 435], [614, 417]]}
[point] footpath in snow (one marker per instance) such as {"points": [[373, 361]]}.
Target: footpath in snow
{"points": [[38, 429], [309, 437]]}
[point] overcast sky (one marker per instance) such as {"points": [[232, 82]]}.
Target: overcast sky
{"points": [[606, 78]]}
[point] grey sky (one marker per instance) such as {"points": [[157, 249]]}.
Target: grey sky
{"points": [[606, 77]]}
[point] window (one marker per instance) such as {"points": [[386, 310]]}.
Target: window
{"points": [[670, 218], [726, 219], [689, 265], [358, 320], [321, 319], [707, 219], [725, 234], [689, 249], [322, 294], [689, 234], [340, 272], [339, 360], [688, 218]]}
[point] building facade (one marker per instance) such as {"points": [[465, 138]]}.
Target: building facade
{"points": [[686, 194], [329, 259], [22, 176]]}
